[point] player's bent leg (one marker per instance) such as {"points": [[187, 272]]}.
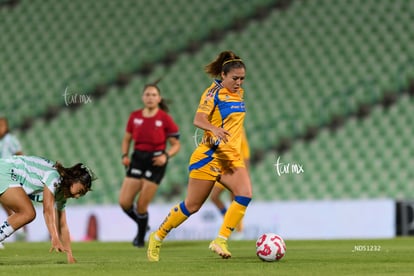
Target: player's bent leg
{"points": [[177, 215], [16, 199]]}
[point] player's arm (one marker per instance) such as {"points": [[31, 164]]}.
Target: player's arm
{"points": [[126, 141], [65, 235], [201, 121], [49, 215], [173, 149]]}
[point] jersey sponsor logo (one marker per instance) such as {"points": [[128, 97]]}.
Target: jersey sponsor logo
{"points": [[227, 108], [138, 121], [148, 174], [238, 106], [158, 123], [136, 172], [13, 176]]}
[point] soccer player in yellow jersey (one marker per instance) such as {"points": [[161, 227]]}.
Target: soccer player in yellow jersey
{"points": [[217, 158]]}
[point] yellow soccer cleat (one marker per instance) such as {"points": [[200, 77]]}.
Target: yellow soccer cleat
{"points": [[219, 245], [154, 247]]}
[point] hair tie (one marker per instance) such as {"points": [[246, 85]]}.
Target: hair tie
{"points": [[231, 60], [89, 172]]}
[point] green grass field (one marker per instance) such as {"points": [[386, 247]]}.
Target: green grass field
{"points": [[333, 257]]}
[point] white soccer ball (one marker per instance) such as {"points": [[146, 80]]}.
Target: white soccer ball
{"points": [[270, 247]]}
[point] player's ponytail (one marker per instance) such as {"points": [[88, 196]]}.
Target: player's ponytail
{"points": [[163, 105], [224, 62]]}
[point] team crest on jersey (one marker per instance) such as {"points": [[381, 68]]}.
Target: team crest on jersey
{"points": [[138, 121], [158, 123]]}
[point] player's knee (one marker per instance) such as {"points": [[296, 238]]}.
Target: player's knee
{"points": [[124, 205], [29, 215], [244, 191], [124, 202], [193, 207], [248, 194]]}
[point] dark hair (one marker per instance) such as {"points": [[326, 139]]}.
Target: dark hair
{"points": [[78, 172], [163, 105], [224, 62]]}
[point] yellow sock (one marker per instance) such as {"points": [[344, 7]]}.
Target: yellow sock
{"points": [[177, 215], [232, 218]]}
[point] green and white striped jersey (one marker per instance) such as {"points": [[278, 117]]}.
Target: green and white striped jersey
{"points": [[33, 174], [9, 145]]}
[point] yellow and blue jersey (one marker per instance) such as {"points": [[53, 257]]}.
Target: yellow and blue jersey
{"points": [[225, 109]]}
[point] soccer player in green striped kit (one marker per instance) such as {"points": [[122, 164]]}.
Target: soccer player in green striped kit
{"points": [[26, 178], [9, 146]]}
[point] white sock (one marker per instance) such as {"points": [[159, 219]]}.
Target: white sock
{"points": [[5, 230]]}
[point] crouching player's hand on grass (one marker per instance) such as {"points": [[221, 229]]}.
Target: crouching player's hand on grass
{"points": [[71, 259], [58, 247]]}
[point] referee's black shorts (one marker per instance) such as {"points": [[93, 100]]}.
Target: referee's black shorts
{"points": [[141, 166]]}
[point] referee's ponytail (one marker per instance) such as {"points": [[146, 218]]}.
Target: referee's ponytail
{"points": [[163, 105]]}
